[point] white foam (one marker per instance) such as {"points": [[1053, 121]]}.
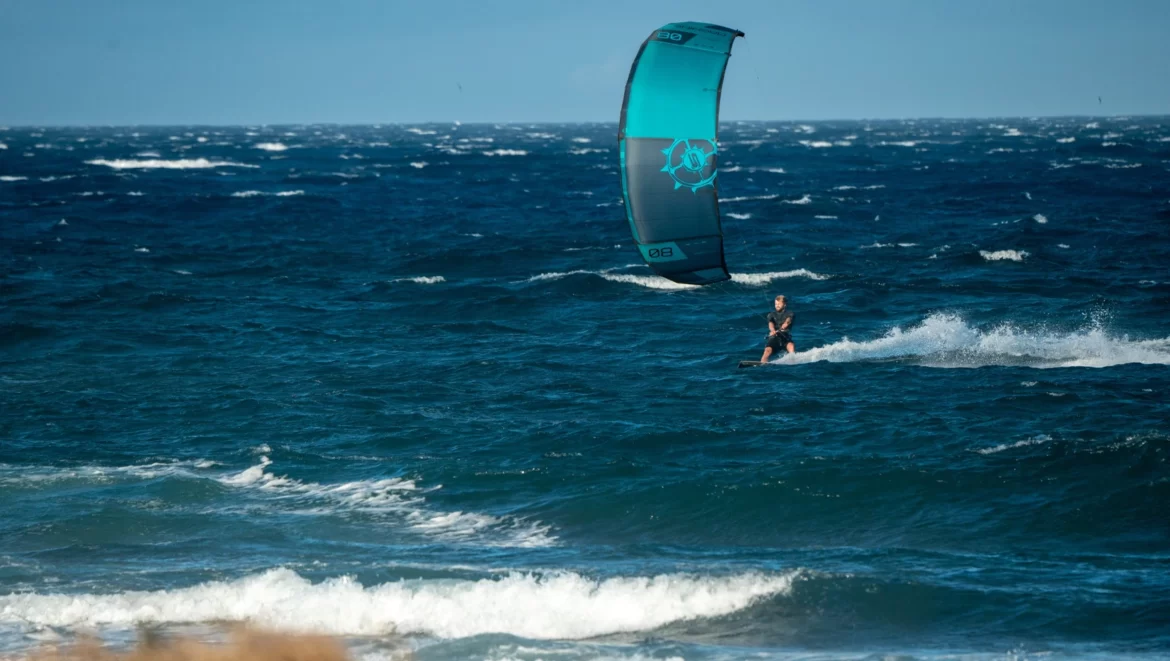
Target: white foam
{"points": [[180, 164], [657, 282], [400, 499], [946, 340], [62, 223], [804, 200], [37, 475], [142, 250], [580, 151], [582, 140], [816, 144], [647, 281], [557, 275], [759, 279], [12, 178], [902, 143], [135, 193], [272, 146], [1000, 255], [1018, 444], [417, 131], [825, 217], [750, 197], [739, 216], [505, 152], [3, 146], [563, 605], [1040, 218], [419, 164], [256, 193], [1066, 140], [423, 279]]}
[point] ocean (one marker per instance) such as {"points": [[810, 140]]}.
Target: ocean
{"points": [[413, 386]]}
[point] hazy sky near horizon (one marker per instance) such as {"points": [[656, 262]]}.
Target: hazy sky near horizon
{"points": [[371, 61]]}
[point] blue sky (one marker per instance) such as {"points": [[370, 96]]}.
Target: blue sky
{"points": [[367, 61]]}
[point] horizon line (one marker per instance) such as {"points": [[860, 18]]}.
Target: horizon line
{"points": [[5, 126]]}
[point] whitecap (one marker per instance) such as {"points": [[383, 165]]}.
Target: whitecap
{"points": [[750, 197], [1000, 255], [179, 164], [1018, 444], [759, 279], [256, 193], [546, 606], [399, 499]]}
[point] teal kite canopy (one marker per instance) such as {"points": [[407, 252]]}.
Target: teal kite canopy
{"points": [[668, 143]]}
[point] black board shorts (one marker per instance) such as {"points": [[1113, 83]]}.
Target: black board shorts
{"points": [[779, 341]]}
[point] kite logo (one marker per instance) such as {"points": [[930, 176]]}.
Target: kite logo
{"points": [[687, 164]]}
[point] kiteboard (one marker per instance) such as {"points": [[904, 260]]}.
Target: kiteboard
{"points": [[750, 363]]}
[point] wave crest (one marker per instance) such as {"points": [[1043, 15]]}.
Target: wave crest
{"points": [[562, 605], [178, 164]]}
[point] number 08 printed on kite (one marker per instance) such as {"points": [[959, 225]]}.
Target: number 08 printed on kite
{"points": [[668, 144]]}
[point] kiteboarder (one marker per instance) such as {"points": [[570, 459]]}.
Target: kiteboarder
{"points": [[779, 323]]}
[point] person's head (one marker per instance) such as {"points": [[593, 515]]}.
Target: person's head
{"points": [[780, 302]]}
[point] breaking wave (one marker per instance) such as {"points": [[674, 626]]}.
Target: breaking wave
{"points": [[561, 605]]}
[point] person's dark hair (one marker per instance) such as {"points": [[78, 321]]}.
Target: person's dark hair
{"points": [[781, 298]]}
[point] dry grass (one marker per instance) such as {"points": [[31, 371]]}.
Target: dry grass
{"points": [[244, 644]]}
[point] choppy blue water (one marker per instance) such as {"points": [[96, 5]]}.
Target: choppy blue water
{"points": [[415, 379]]}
